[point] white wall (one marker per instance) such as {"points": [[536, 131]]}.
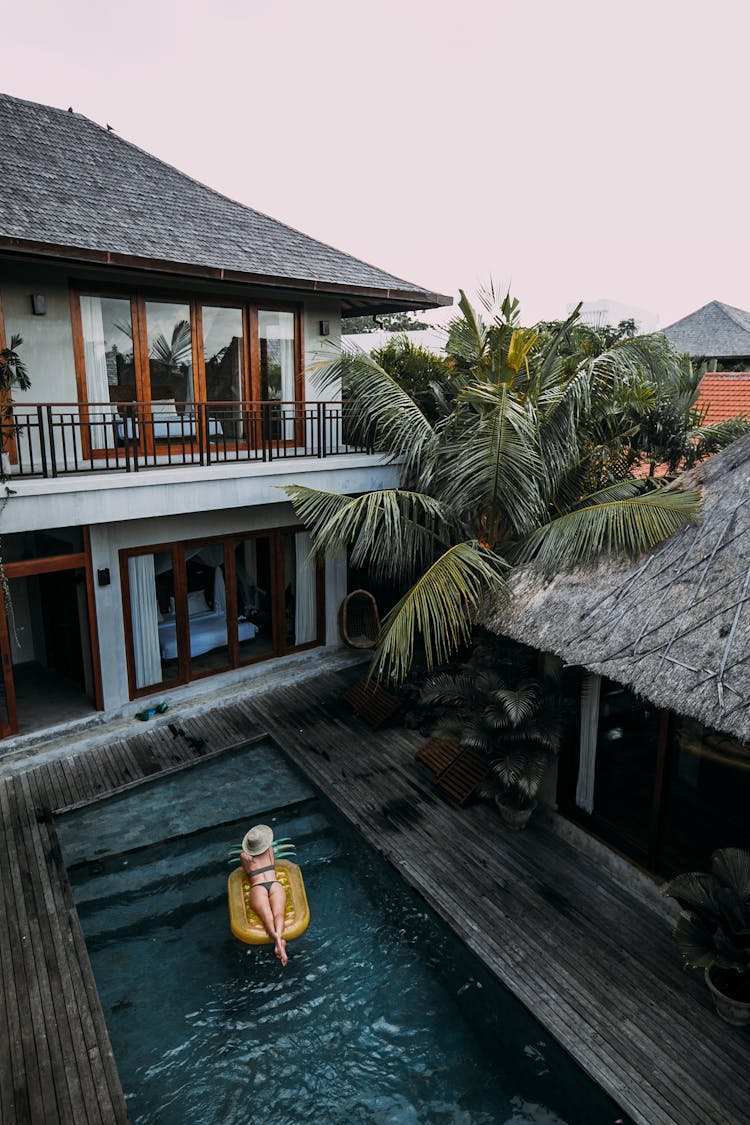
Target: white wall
{"points": [[317, 347], [47, 349]]}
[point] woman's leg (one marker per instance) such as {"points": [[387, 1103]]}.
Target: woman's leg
{"points": [[277, 896]]}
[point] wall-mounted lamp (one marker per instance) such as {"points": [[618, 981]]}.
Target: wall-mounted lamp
{"points": [[38, 304], [325, 328], [102, 577]]}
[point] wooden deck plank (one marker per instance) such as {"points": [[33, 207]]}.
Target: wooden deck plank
{"points": [[596, 966], [74, 1089], [29, 1018]]}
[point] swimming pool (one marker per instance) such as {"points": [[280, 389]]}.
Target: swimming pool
{"points": [[381, 1016]]}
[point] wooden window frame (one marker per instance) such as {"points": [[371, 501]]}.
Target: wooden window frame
{"points": [[230, 541], [195, 301]]}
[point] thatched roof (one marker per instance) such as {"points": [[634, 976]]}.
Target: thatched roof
{"points": [[673, 625]]}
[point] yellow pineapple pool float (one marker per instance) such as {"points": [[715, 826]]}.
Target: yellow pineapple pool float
{"points": [[245, 923]]}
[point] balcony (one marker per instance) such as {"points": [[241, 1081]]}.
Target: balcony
{"points": [[50, 440]]}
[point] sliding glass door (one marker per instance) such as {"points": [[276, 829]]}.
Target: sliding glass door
{"points": [[174, 353], [200, 607]]}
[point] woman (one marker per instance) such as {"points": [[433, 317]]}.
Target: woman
{"points": [[267, 896]]}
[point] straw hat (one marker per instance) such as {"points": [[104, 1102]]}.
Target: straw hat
{"points": [[258, 839]]}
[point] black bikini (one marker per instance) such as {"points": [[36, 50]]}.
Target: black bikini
{"points": [[267, 884]]}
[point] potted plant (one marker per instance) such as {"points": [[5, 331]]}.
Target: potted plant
{"points": [[12, 374], [713, 930], [513, 720]]}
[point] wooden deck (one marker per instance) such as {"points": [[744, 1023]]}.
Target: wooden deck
{"points": [[595, 965]]}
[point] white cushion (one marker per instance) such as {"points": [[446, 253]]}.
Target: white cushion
{"points": [[197, 603], [164, 408]]}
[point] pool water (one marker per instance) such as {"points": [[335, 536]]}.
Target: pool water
{"points": [[381, 1015]]}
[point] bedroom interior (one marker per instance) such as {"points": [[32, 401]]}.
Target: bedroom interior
{"points": [[198, 607]]}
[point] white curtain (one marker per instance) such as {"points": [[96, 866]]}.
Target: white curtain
{"points": [[95, 356], [144, 616], [220, 591], [278, 329], [590, 691], [305, 597], [286, 355]]}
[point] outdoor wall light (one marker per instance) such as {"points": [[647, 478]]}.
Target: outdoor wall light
{"points": [[325, 328], [38, 304], [102, 576]]}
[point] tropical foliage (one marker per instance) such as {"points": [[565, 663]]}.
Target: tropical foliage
{"points": [[527, 461], [513, 719], [713, 930], [427, 377], [13, 372]]}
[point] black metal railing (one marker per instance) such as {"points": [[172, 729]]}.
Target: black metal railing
{"points": [[56, 439]]}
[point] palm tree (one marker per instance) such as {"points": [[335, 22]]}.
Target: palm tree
{"points": [[512, 719], [516, 468]]}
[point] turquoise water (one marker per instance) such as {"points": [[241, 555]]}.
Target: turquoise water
{"points": [[381, 1016]]}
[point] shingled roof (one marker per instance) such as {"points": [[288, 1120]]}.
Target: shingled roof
{"points": [[674, 625], [71, 185], [715, 330]]}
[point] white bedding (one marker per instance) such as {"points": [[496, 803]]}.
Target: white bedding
{"points": [[177, 429], [207, 631]]}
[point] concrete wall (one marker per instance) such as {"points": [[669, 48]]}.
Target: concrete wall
{"points": [[47, 347]]}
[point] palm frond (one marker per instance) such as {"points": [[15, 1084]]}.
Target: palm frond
{"points": [[467, 334], [493, 467], [178, 350], [394, 532], [440, 607], [628, 526], [380, 413]]}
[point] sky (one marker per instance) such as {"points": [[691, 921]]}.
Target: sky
{"points": [[571, 151]]}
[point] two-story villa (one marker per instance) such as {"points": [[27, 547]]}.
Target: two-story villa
{"points": [[166, 329]]}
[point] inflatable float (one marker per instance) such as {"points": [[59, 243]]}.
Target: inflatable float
{"points": [[245, 923]]}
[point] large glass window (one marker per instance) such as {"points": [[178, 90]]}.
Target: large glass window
{"points": [[170, 352], [708, 797], [110, 368], [148, 357], [277, 382], [200, 607], [210, 626], [223, 349], [255, 598]]}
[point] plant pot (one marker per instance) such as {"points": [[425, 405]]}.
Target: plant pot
{"points": [[515, 819], [736, 1012]]}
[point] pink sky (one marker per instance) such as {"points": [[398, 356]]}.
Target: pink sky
{"points": [[575, 150]]}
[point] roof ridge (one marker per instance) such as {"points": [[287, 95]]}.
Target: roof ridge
{"points": [[742, 321], [112, 133]]}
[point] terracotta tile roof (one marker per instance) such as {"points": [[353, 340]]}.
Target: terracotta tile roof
{"points": [[727, 394]]}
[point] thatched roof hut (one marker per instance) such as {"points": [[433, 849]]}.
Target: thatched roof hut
{"points": [[673, 625]]}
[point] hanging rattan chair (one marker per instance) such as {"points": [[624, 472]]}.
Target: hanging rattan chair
{"points": [[359, 620]]}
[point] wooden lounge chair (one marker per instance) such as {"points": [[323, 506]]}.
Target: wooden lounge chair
{"points": [[359, 620], [438, 753], [371, 702], [460, 779]]}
